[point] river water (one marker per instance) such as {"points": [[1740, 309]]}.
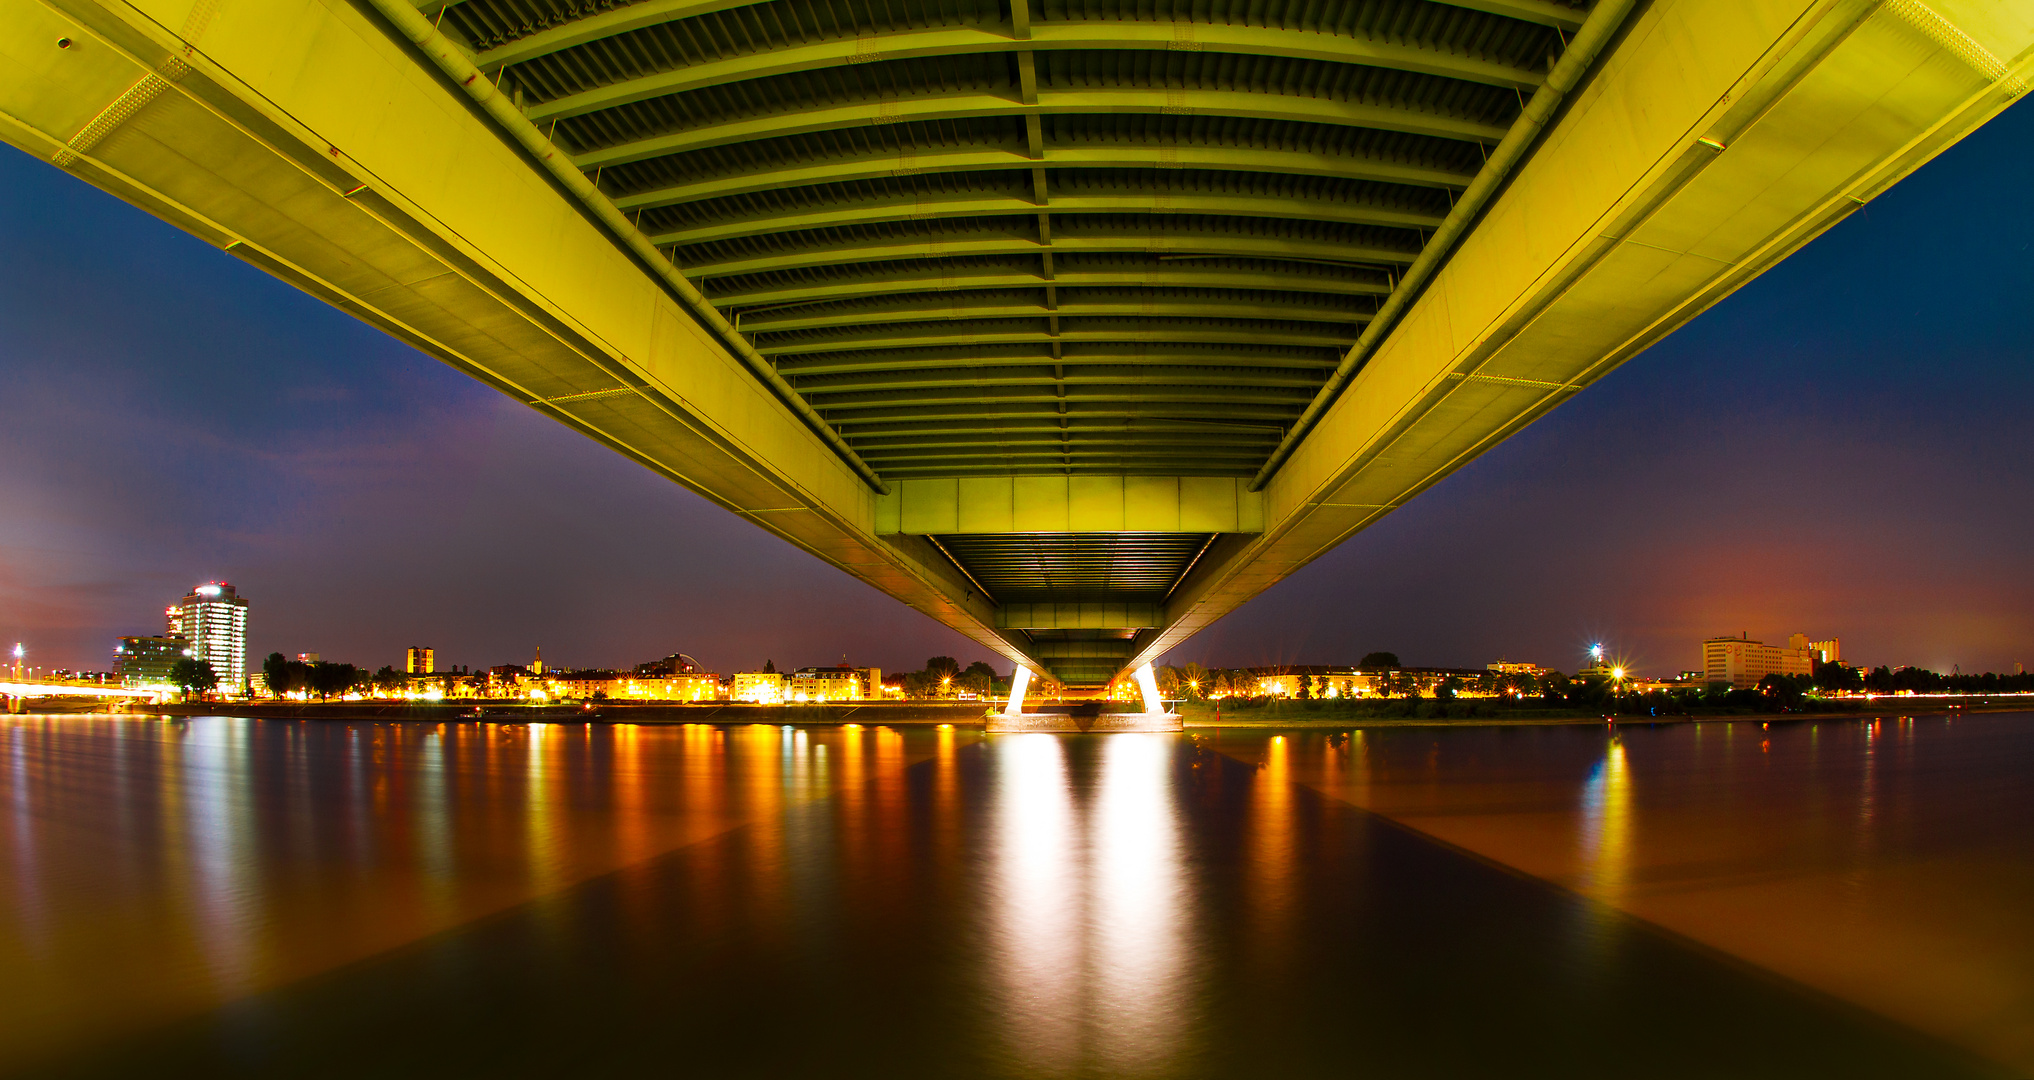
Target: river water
{"points": [[231, 897]]}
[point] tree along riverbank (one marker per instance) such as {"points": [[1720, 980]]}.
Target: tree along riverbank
{"points": [[508, 712], [1287, 713]]}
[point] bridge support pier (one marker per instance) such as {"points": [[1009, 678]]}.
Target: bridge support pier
{"points": [[1087, 717]]}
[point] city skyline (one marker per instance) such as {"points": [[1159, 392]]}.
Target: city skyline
{"points": [[1818, 451]]}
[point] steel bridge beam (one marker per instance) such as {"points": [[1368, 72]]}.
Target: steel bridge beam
{"points": [[989, 440], [1041, 375], [1058, 504], [1043, 424], [1156, 394], [1146, 202], [1167, 272], [655, 12], [1167, 156], [1111, 35], [1151, 241], [919, 310], [621, 20], [1232, 416], [1077, 616], [962, 335], [975, 104], [969, 359]]}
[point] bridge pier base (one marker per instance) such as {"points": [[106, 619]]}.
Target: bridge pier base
{"points": [[1083, 720]]}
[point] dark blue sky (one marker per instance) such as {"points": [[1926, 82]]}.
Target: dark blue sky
{"points": [[1839, 449]]}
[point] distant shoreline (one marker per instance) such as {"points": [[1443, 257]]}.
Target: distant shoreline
{"points": [[907, 712], [1203, 716], [1288, 715]]}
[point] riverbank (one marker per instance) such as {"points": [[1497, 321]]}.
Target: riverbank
{"points": [[1331, 714], [1276, 714], [510, 712]]}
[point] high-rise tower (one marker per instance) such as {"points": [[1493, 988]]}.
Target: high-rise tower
{"points": [[213, 618]]}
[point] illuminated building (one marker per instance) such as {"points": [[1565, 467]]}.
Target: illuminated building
{"points": [[1329, 681], [1824, 652], [537, 665], [840, 683], [1742, 662], [1321, 681], [213, 618], [307, 658], [675, 664], [503, 680], [146, 661], [762, 687], [419, 660], [1509, 667], [580, 684], [693, 686]]}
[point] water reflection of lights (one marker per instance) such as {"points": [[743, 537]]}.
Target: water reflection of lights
{"points": [[1607, 826], [26, 863], [1272, 849], [1139, 907], [433, 827], [1088, 907], [226, 895], [1035, 903]]}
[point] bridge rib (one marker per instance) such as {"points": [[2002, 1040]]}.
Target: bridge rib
{"points": [[932, 161], [1157, 332], [1113, 36], [1078, 466], [973, 361], [920, 309], [894, 249], [1169, 459], [1058, 426], [1041, 375], [610, 23], [971, 104], [1179, 273], [648, 13], [986, 414], [1219, 397], [1147, 202], [1063, 437]]}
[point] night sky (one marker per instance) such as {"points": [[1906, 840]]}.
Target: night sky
{"points": [[1840, 449]]}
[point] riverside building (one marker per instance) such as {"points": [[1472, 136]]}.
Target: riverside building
{"points": [[419, 660], [761, 687], [145, 661], [213, 618], [1742, 662], [842, 683]]}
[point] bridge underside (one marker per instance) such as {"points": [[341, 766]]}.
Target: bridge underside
{"points": [[1073, 325]]}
